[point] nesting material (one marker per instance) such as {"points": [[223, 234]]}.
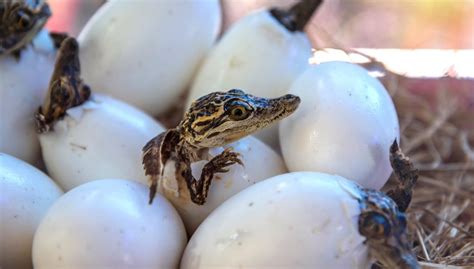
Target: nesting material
{"points": [[441, 145]]}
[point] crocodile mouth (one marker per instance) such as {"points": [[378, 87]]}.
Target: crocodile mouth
{"points": [[281, 107]]}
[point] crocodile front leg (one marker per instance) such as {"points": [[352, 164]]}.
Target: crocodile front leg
{"points": [[199, 189]]}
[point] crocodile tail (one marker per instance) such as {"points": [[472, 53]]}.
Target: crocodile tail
{"points": [[155, 155]]}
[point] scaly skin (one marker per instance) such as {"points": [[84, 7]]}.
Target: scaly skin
{"points": [[66, 88], [382, 220], [213, 120], [20, 21], [296, 17], [406, 175]]}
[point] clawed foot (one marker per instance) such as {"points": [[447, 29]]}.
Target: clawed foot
{"points": [[219, 163]]}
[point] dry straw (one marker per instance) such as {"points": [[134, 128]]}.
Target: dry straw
{"points": [[441, 215]]}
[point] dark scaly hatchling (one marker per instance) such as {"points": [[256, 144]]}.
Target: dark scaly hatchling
{"points": [[213, 120], [66, 88], [20, 21], [382, 220]]}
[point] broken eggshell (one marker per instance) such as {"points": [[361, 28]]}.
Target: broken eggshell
{"points": [[102, 138], [259, 54], [294, 220], [344, 125], [146, 52], [109, 224], [260, 162], [23, 86], [26, 194]]}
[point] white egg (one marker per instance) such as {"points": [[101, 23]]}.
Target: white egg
{"points": [[26, 193], [260, 162], [344, 125], [23, 85], [101, 138], [146, 52], [109, 224], [258, 55], [295, 220]]}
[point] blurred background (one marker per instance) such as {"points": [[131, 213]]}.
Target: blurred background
{"points": [[407, 24]]}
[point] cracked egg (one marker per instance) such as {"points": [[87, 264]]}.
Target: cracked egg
{"points": [[102, 138]]}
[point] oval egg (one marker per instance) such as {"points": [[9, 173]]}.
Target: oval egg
{"points": [[101, 138], [109, 224], [26, 194], [146, 52], [23, 85], [294, 220], [344, 125]]}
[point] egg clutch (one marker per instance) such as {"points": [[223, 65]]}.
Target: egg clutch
{"points": [[275, 163]]}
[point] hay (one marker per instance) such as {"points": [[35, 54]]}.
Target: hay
{"points": [[441, 216]]}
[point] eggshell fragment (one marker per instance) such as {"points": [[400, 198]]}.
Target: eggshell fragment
{"points": [[26, 193], [344, 125], [146, 52], [258, 55], [102, 138], [109, 224], [295, 220], [23, 85], [260, 162]]}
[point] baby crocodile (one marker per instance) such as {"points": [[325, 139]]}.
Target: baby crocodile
{"points": [[20, 21], [382, 220], [66, 88], [213, 120]]}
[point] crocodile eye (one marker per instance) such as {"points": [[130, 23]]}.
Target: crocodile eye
{"points": [[23, 21], [374, 225], [239, 113], [237, 91]]}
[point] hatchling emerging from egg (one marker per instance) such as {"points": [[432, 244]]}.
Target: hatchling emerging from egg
{"points": [[20, 21], [382, 220], [213, 120]]}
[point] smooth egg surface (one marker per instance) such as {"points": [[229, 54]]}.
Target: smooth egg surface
{"points": [[146, 52], [294, 220], [102, 138], [26, 194], [109, 224], [344, 125], [23, 85]]}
